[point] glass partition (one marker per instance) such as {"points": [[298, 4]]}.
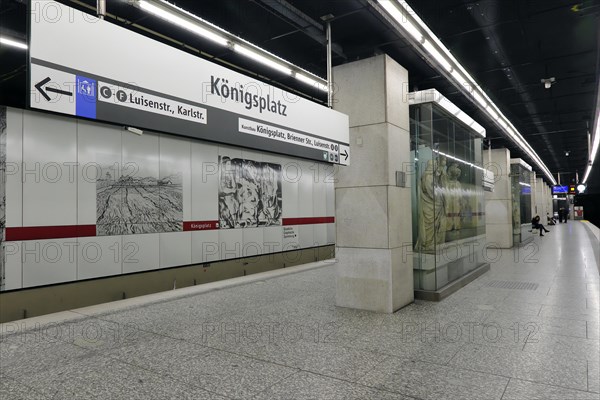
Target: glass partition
{"points": [[448, 211], [521, 201]]}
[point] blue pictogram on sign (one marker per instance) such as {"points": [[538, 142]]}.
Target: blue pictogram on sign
{"points": [[85, 101]]}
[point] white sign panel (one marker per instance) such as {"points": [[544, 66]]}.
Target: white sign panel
{"points": [[94, 69]]}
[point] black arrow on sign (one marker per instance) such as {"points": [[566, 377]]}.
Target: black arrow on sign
{"points": [[40, 89], [345, 155]]}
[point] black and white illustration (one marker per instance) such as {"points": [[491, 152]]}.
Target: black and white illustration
{"points": [[2, 192], [249, 193], [131, 200]]}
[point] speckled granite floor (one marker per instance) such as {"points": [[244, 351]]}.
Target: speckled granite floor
{"points": [[283, 338]]}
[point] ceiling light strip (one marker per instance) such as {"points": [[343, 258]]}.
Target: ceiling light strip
{"points": [[417, 31], [595, 144], [192, 23], [13, 43]]}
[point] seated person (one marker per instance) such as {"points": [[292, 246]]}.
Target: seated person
{"points": [[551, 220], [535, 224]]}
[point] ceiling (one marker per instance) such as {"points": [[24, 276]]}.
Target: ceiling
{"points": [[508, 46]]}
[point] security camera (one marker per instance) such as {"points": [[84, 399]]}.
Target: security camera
{"points": [[548, 82]]}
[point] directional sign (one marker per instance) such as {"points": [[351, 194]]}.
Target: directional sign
{"points": [[52, 90], [344, 154], [45, 90], [202, 100]]}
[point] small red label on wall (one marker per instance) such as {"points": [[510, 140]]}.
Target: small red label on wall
{"points": [[200, 225]]}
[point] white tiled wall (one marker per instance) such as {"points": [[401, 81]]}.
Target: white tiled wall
{"points": [[62, 156], [49, 170]]}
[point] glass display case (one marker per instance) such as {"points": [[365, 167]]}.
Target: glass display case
{"points": [[448, 210], [520, 178]]}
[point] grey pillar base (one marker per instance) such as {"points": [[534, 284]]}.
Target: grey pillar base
{"points": [[438, 295]]}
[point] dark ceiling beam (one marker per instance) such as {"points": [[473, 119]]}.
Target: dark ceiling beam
{"points": [[301, 22], [518, 103], [545, 114], [482, 28], [497, 48], [538, 83], [560, 131], [539, 61]]}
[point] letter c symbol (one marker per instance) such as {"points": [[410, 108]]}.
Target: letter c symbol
{"points": [[105, 92]]}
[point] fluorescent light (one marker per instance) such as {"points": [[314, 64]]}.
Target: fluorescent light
{"points": [[492, 113], [401, 19], [479, 98], [310, 81], [13, 43], [595, 146], [470, 164], [261, 59], [433, 96], [430, 45], [437, 55], [197, 25], [458, 77], [596, 143], [184, 23]]}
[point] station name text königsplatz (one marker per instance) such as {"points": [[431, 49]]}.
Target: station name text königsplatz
{"points": [[220, 87]]}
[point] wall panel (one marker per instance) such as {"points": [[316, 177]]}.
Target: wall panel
{"points": [[121, 203], [49, 170]]}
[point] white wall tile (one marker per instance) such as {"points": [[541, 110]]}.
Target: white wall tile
{"points": [[205, 246], [253, 241], [99, 256], [231, 242], [306, 234], [49, 261], [273, 239], [320, 235], [50, 172], [175, 249], [14, 158], [13, 266], [305, 189], [140, 252]]}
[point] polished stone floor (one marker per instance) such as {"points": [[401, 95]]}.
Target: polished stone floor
{"points": [[528, 329]]}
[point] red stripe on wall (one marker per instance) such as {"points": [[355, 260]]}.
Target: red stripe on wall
{"points": [[200, 225], [49, 232], [308, 221], [75, 231]]}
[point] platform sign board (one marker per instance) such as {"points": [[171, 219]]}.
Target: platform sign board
{"points": [[95, 74], [558, 189]]}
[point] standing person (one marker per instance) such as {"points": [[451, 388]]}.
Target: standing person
{"points": [[535, 224], [560, 214]]}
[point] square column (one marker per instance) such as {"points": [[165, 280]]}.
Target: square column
{"points": [[498, 204], [541, 200], [373, 215], [535, 210]]}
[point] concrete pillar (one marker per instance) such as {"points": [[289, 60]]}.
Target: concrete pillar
{"points": [[498, 204], [534, 195], [373, 215], [541, 200], [550, 202]]}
